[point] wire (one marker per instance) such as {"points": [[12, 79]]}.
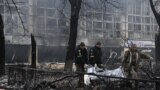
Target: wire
{"points": [[19, 16]]}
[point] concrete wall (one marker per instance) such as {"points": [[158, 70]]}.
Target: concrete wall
{"points": [[21, 53]]}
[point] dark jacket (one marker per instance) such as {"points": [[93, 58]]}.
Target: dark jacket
{"points": [[95, 55], [81, 56]]}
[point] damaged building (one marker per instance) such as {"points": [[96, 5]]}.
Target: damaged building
{"points": [[48, 20]]}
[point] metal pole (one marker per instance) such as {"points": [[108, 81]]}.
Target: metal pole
{"points": [[9, 75]]}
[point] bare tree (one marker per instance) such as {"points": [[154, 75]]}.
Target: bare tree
{"points": [[75, 9], [156, 8], [2, 48]]}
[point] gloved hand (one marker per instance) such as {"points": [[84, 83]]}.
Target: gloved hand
{"points": [[86, 65], [101, 66], [151, 58]]}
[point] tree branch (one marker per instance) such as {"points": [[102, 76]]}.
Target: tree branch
{"points": [[19, 16], [152, 7], [112, 4]]}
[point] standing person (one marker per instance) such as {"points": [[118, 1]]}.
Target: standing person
{"points": [[81, 59], [130, 63], [95, 55]]}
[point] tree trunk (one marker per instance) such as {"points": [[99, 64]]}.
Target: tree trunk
{"points": [[2, 48], [157, 45], [75, 9], [157, 36], [33, 52], [157, 52]]}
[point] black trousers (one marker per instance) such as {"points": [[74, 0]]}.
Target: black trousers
{"points": [[80, 68]]}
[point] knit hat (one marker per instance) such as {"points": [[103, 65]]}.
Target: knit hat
{"points": [[82, 44], [98, 43]]}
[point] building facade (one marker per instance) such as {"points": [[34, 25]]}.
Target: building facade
{"points": [[49, 21], [131, 20]]}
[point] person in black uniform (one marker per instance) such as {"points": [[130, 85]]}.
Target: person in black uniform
{"points": [[95, 55], [81, 59]]}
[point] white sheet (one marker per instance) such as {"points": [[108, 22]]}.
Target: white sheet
{"points": [[115, 72]]}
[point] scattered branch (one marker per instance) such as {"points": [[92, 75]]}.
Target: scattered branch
{"points": [[45, 84]]}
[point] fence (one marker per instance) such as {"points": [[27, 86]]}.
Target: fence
{"points": [[31, 79], [21, 77], [120, 83]]}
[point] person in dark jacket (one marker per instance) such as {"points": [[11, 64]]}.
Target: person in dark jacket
{"points": [[81, 58], [95, 55]]}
